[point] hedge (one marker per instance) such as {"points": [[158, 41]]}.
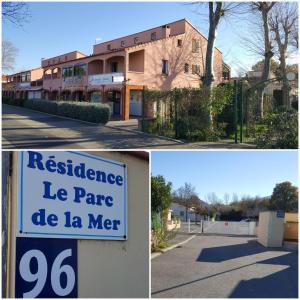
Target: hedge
{"points": [[11, 101], [91, 112]]}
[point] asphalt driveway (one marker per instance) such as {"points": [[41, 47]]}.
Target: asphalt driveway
{"points": [[225, 267]]}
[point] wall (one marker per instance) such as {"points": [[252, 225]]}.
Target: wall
{"points": [[231, 228], [5, 218], [270, 229], [291, 226], [167, 49], [144, 36], [124, 265], [36, 74], [62, 58], [110, 268]]}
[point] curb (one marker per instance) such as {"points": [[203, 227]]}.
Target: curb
{"points": [[146, 133], [162, 251]]}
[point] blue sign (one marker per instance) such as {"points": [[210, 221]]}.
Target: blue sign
{"points": [[46, 268], [280, 214]]}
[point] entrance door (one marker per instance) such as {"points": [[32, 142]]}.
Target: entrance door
{"points": [[135, 103], [115, 98]]}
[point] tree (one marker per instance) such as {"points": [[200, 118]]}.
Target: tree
{"points": [[215, 13], [160, 194], [283, 20], [274, 66], [15, 12], [263, 10], [9, 53], [187, 196], [284, 197]]}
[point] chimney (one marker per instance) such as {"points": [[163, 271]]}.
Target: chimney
{"points": [[166, 31]]}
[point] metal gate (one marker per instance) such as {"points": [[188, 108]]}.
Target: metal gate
{"points": [[230, 228]]}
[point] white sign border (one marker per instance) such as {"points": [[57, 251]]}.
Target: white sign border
{"points": [[21, 233]]}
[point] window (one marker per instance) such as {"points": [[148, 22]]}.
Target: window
{"points": [[153, 36], [67, 72], [122, 44], [165, 67], [23, 78], [108, 47], [66, 57], [195, 46], [196, 69], [179, 43], [28, 77], [80, 70], [186, 68], [114, 67], [136, 40]]}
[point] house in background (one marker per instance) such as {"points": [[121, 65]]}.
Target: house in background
{"points": [[24, 85], [273, 90], [180, 211], [116, 73]]}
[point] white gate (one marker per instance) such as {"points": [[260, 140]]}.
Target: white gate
{"points": [[224, 227]]}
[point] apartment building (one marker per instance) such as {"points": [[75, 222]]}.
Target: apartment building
{"points": [[24, 85], [161, 58]]}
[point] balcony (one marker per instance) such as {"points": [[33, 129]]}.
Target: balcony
{"points": [[108, 78]]}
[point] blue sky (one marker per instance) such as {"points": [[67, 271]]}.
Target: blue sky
{"points": [[242, 172], [57, 28]]}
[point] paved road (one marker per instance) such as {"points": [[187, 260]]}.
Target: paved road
{"points": [[23, 128], [225, 267]]}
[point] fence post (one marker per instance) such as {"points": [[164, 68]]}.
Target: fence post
{"points": [[241, 111], [235, 111], [189, 225], [176, 115]]}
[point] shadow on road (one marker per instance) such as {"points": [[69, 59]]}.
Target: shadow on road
{"points": [[282, 284], [222, 253]]}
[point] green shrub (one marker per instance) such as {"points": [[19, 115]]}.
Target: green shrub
{"points": [[15, 102], [278, 131], [91, 112], [193, 113], [42, 105]]}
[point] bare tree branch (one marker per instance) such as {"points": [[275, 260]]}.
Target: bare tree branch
{"points": [[9, 53], [16, 13]]}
